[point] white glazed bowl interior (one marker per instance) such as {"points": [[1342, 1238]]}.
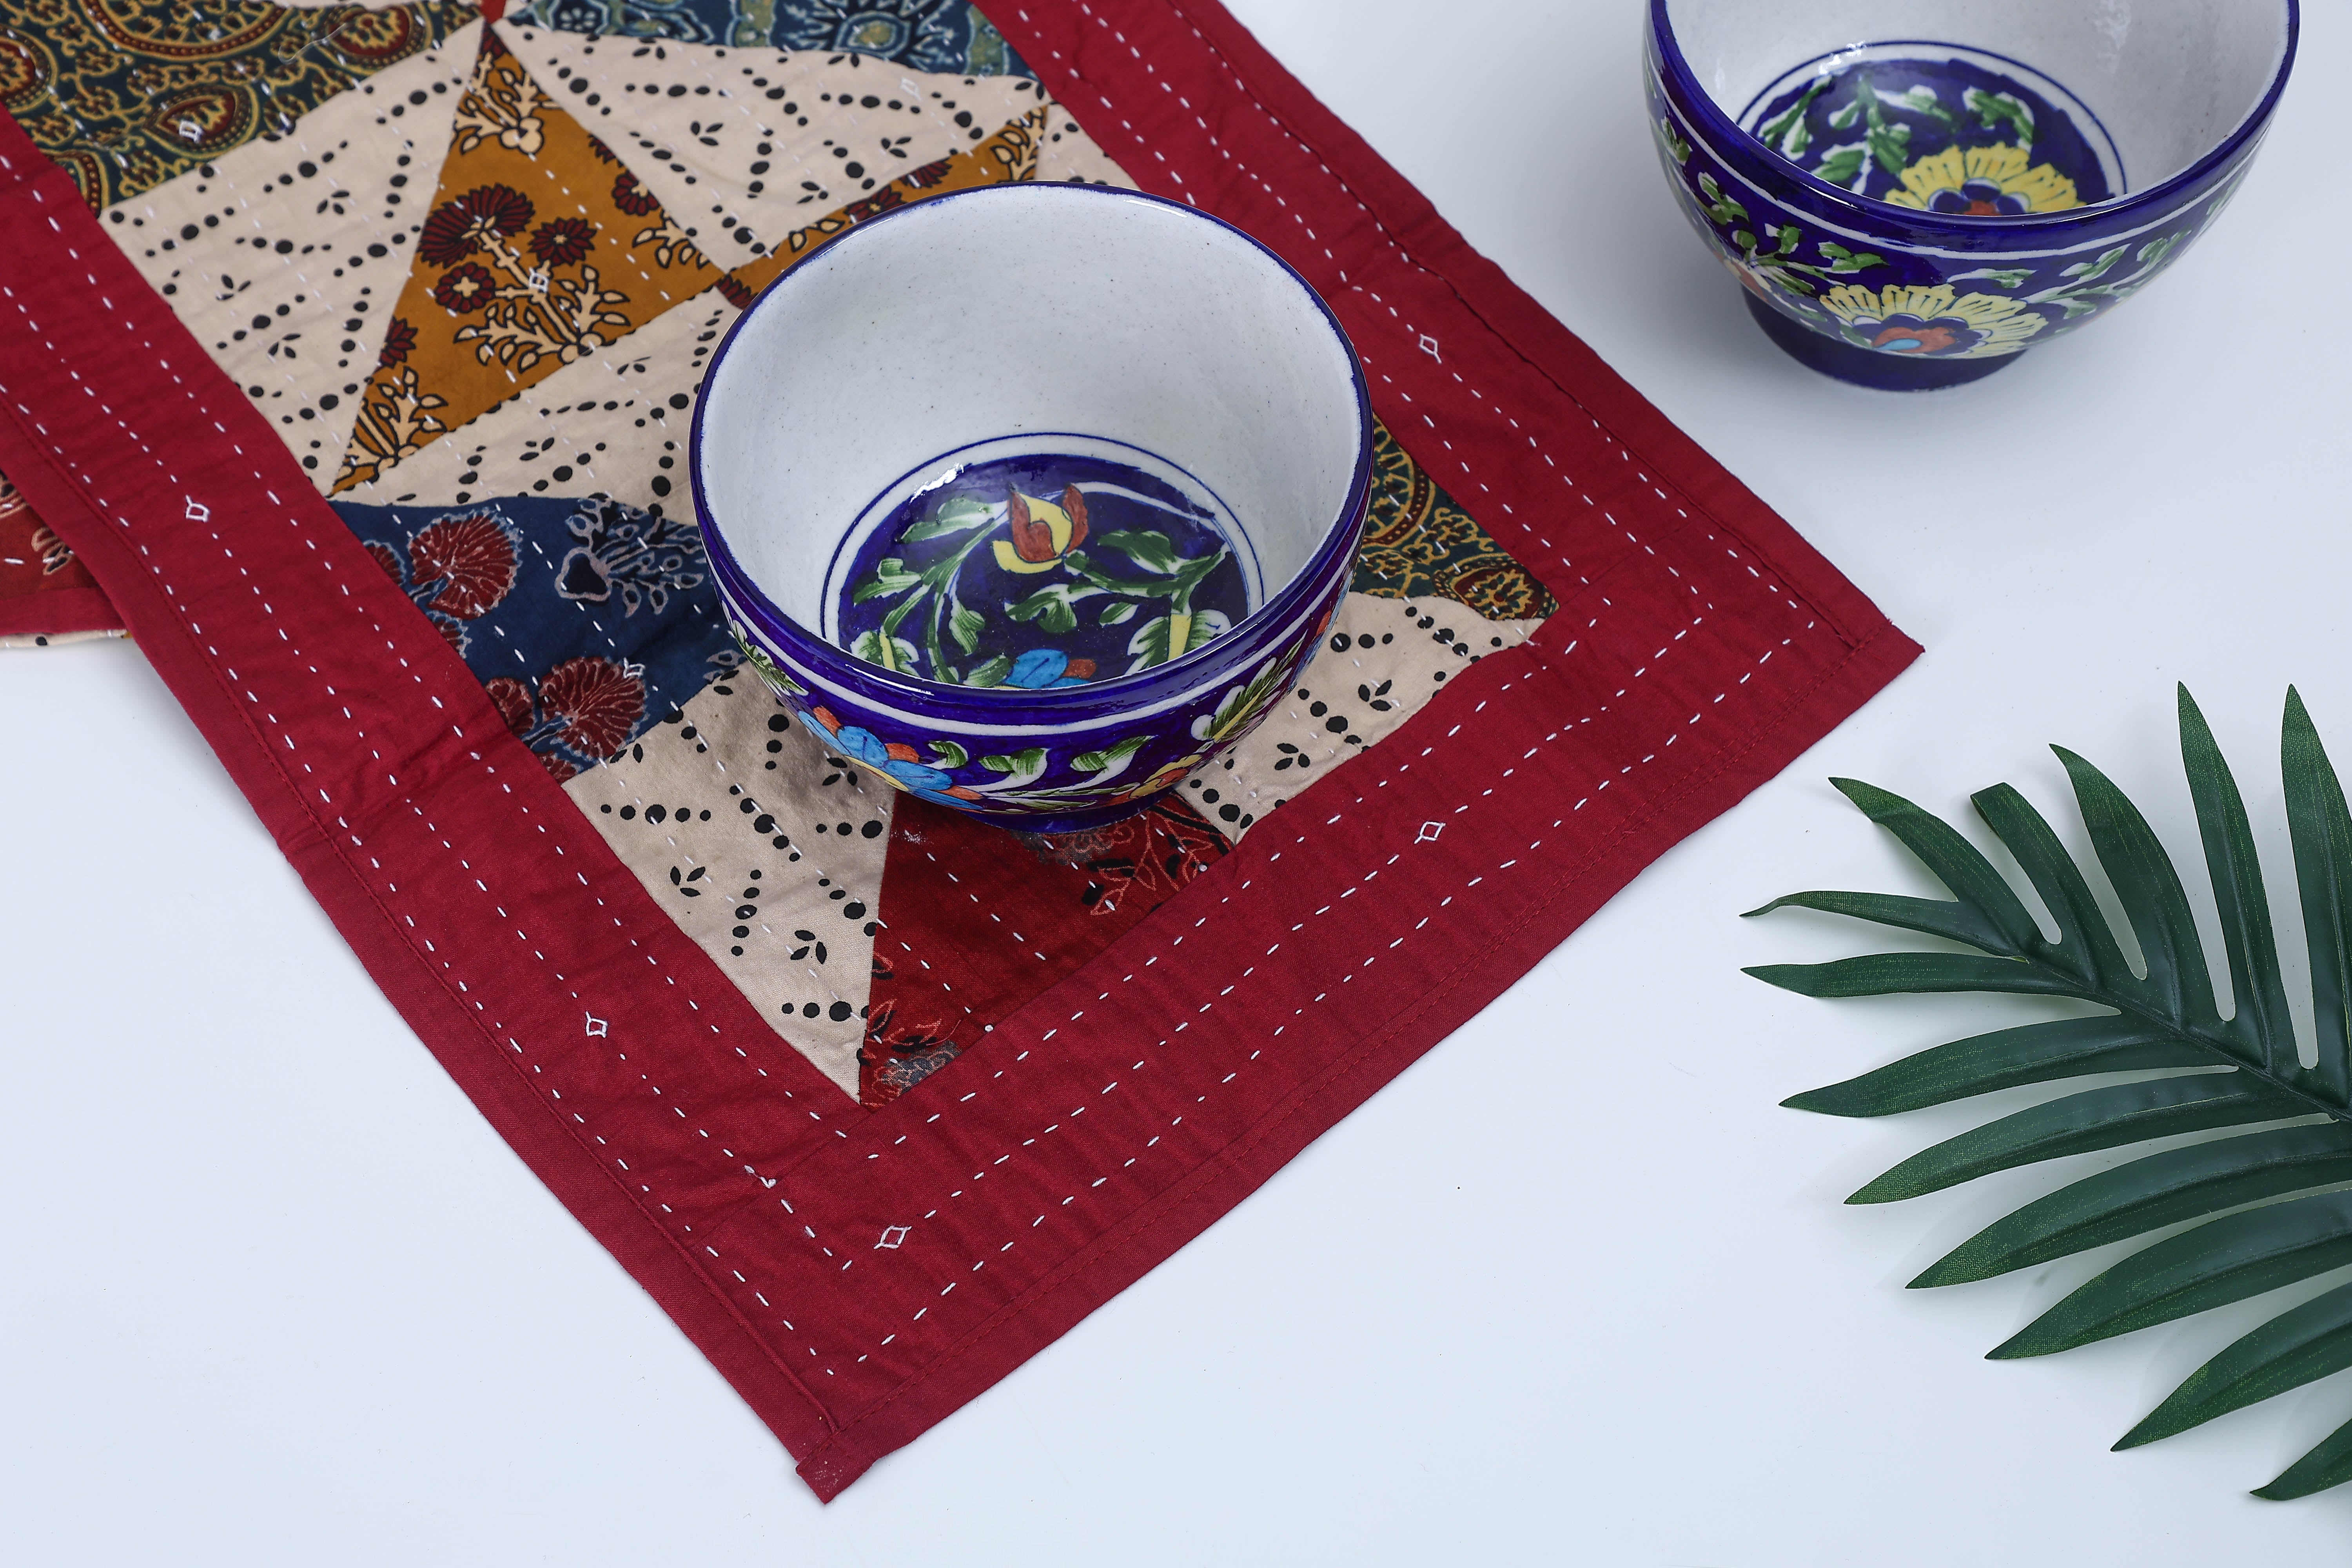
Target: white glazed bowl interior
{"points": [[2169, 79], [1026, 309]]}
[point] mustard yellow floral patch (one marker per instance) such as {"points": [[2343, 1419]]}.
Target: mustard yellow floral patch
{"points": [[540, 250]]}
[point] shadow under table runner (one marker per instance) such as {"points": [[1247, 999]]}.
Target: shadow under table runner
{"points": [[368, 418]]}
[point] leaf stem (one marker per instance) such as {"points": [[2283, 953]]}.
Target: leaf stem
{"points": [[2179, 1029]]}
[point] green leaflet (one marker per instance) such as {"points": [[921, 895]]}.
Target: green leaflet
{"points": [[1112, 759], [1054, 607], [1922, 99], [2150, 890], [2089, 271], [1891, 974], [1174, 635], [954, 516], [2221, 1261], [2149, 1195], [2079, 1125], [1889, 140], [1891, 145], [2329, 1465], [890, 576], [2008, 1059], [2254, 978], [889, 652], [2291, 1350], [1022, 765], [1720, 207], [1147, 547], [1933, 916], [2321, 832], [2153, 253], [1842, 260], [2087, 948], [1188, 574], [2279, 1191], [1992, 108], [1676, 148], [2005, 276]]}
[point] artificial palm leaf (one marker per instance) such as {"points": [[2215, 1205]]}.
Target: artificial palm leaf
{"points": [[2264, 1193]]}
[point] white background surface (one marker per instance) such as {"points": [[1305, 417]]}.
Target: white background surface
{"points": [[274, 1294]]}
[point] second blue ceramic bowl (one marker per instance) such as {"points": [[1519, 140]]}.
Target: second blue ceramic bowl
{"points": [[1032, 498], [1914, 192]]}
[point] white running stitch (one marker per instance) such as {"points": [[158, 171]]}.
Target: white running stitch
{"points": [[201, 515], [1402, 765]]}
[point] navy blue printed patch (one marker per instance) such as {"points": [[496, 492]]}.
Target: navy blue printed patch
{"points": [[585, 620], [949, 36]]}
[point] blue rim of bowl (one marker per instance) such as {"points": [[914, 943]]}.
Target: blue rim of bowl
{"points": [[1161, 684], [1968, 231]]}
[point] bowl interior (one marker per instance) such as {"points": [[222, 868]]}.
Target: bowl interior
{"points": [[1173, 357], [2151, 86]]}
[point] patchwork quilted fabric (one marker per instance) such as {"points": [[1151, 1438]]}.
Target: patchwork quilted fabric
{"points": [[541, 249], [947, 36], [585, 620], [286, 257], [123, 94], [46, 596], [747, 146], [405, 312]]}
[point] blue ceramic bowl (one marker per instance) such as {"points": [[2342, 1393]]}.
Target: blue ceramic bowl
{"points": [[1914, 192], [1033, 499]]}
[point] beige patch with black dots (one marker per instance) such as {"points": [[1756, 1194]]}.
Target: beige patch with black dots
{"points": [[614, 425], [766, 851], [744, 146], [1381, 663], [284, 257]]}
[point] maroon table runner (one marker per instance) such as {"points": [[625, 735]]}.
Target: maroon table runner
{"points": [[861, 1248]]}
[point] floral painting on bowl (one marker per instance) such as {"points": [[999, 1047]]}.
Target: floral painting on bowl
{"points": [[1041, 571], [1943, 130], [1121, 520], [1936, 186]]}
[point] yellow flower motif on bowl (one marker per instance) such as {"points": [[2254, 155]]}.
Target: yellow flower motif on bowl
{"points": [[1932, 323], [1984, 182]]}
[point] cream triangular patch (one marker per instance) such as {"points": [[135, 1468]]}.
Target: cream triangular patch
{"points": [[1381, 661], [284, 257], [615, 423], [744, 146], [766, 850], [541, 249]]}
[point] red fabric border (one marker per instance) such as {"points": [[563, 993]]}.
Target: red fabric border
{"points": [[859, 1277], [320, 688], [58, 611]]}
